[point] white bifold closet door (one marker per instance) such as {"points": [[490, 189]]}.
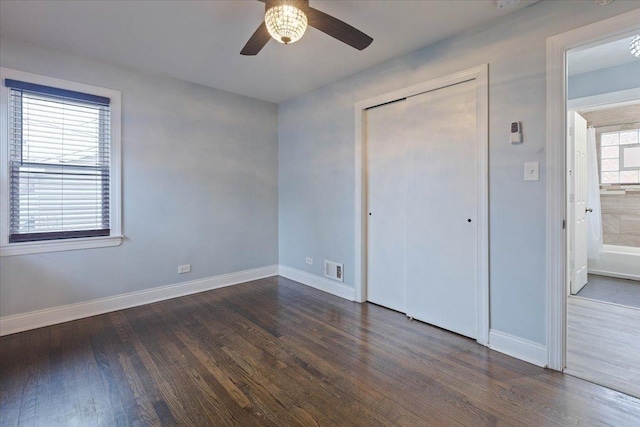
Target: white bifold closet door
{"points": [[422, 195]]}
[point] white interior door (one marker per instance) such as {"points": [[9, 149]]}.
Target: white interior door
{"points": [[422, 195], [578, 200], [387, 187], [442, 208]]}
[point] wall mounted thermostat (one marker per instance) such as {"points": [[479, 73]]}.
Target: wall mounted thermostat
{"points": [[516, 133]]}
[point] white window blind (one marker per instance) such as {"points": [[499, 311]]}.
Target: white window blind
{"points": [[59, 162]]}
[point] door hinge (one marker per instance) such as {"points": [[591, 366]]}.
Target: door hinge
{"points": [[564, 224]]}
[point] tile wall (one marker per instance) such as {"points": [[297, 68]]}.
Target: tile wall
{"points": [[620, 203]]}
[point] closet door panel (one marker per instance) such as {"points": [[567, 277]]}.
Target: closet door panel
{"points": [[387, 206], [441, 162]]}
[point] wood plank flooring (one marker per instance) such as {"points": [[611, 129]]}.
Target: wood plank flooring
{"points": [[276, 353], [603, 343]]}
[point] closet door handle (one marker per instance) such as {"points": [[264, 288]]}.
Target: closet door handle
{"points": [[588, 210]]}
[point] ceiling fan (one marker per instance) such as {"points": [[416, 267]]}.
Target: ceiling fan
{"points": [[287, 20]]}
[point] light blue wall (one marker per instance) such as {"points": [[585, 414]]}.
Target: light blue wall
{"points": [[607, 80], [316, 154], [199, 187]]}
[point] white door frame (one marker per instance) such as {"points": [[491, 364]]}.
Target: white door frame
{"points": [[481, 75], [557, 46]]}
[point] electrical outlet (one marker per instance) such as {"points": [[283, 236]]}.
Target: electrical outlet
{"points": [[184, 268], [309, 261]]}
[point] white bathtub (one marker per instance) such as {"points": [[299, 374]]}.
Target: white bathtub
{"points": [[617, 261]]}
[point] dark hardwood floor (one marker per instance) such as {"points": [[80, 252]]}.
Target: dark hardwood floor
{"points": [[274, 352]]}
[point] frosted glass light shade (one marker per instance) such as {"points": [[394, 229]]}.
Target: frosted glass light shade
{"points": [[286, 23], [635, 46]]}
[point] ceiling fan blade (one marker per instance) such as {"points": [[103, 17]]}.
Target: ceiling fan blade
{"points": [[257, 41], [338, 29]]}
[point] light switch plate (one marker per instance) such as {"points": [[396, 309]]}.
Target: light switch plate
{"points": [[532, 171]]}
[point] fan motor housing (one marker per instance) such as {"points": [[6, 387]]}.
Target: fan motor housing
{"points": [[303, 5]]}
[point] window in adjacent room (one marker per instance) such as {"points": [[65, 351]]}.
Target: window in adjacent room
{"points": [[620, 157], [61, 151]]}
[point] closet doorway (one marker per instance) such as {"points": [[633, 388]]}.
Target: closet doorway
{"points": [[426, 203]]}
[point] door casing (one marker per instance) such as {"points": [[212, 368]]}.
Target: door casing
{"points": [[557, 46]]}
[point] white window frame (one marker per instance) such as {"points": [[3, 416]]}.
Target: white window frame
{"points": [[621, 150], [622, 168], [115, 197]]}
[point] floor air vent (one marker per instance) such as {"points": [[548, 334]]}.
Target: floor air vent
{"points": [[333, 270]]}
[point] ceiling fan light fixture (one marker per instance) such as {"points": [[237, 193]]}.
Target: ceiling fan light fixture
{"points": [[286, 23], [634, 47], [287, 20]]}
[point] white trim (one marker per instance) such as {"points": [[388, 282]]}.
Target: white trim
{"points": [[360, 204], [115, 187], [557, 46], [556, 128], [519, 348], [482, 100], [329, 286], [614, 274], [60, 245], [588, 301], [481, 75], [65, 313]]}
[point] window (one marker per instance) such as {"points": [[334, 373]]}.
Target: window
{"points": [[620, 157], [61, 164]]}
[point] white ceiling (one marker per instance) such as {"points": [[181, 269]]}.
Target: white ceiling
{"points": [[602, 56], [200, 41]]}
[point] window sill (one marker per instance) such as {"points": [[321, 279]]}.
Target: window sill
{"points": [[611, 189], [59, 245]]}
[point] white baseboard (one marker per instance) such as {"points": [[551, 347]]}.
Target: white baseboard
{"points": [[329, 286], [519, 348], [65, 313], [614, 274]]}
